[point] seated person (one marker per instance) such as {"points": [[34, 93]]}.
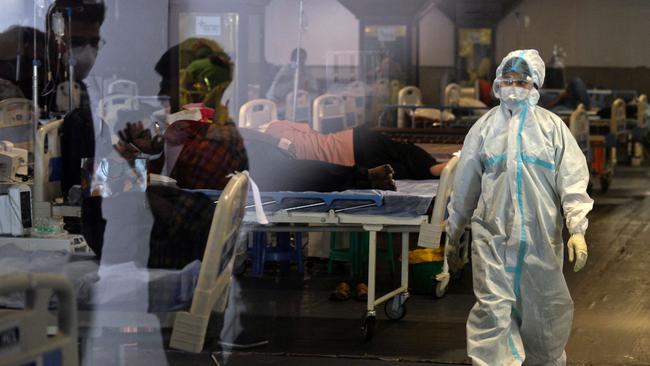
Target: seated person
{"points": [[574, 94], [357, 146], [283, 82]]}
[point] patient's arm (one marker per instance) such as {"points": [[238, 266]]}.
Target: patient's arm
{"points": [[436, 170], [251, 135]]}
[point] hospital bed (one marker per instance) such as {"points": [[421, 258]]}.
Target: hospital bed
{"points": [[399, 213], [395, 87], [452, 95], [24, 335], [605, 137], [354, 109], [16, 122], [257, 112], [640, 130], [431, 135], [209, 293], [329, 114], [358, 91], [579, 125], [48, 168], [464, 103], [409, 95], [111, 105], [303, 103], [122, 87], [380, 96], [600, 97]]}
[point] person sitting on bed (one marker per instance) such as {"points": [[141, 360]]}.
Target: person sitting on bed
{"points": [[357, 146]]}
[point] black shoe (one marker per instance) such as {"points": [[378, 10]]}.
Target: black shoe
{"points": [[244, 342]]}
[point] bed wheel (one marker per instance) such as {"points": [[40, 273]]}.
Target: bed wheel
{"points": [[367, 327], [395, 308], [440, 288]]}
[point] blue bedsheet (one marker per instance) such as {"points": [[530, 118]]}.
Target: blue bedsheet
{"points": [[412, 198]]}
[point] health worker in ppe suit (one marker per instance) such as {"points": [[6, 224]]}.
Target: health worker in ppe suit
{"points": [[519, 171]]}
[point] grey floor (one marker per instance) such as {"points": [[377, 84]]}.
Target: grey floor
{"points": [[611, 295]]}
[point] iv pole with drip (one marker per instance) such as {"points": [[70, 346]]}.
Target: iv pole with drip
{"points": [[296, 76]]}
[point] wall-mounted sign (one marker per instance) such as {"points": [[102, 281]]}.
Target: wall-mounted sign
{"points": [[208, 26], [386, 34]]}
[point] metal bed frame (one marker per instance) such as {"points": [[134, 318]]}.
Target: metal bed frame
{"points": [[345, 221]]}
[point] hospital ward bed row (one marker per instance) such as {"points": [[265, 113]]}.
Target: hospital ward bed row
{"points": [[391, 216], [605, 141], [460, 108], [331, 219]]}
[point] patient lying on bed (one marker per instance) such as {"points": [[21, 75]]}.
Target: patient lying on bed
{"points": [[200, 155], [358, 145]]}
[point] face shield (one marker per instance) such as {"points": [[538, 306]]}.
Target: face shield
{"points": [[518, 77], [512, 87]]}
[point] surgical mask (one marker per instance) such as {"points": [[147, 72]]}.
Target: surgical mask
{"points": [[84, 60], [514, 94]]}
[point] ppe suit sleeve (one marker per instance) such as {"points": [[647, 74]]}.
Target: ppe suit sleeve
{"points": [[572, 178], [467, 184]]}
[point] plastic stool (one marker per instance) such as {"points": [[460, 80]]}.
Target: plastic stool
{"points": [[357, 253], [283, 253]]}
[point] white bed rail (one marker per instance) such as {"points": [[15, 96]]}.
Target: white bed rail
{"points": [[24, 332], [408, 95], [431, 233], [46, 151], [257, 112], [328, 111], [214, 278]]}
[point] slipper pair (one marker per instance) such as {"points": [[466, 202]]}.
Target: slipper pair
{"points": [[343, 292]]}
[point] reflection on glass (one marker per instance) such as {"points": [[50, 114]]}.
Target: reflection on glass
{"points": [[214, 34]]}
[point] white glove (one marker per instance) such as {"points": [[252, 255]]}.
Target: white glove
{"points": [[452, 253], [577, 247]]}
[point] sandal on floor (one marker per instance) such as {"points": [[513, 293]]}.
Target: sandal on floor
{"points": [[362, 292], [341, 293]]}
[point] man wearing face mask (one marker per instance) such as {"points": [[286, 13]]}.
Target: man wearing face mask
{"points": [[520, 170], [78, 45]]}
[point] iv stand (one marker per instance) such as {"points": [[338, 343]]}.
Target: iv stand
{"points": [[296, 76]]}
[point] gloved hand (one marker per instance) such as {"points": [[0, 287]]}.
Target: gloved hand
{"points": [[452, 253], [577, 247]]}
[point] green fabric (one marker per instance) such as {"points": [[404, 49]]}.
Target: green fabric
{"points": [[203, 69]]}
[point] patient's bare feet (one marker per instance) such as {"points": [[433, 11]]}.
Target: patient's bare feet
{"points": [[381, 172], [383, 184]]}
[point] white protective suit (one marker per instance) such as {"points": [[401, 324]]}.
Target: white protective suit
{"points": [[519, 167]]}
